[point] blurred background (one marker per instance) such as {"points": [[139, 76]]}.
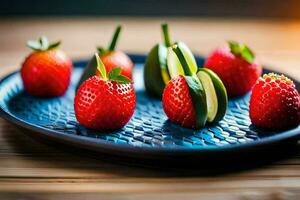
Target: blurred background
{"points": [[220, 8], [270, 27]]}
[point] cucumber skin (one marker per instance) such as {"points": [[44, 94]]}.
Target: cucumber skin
{"points": [[192, 60], [89, 71], [221, 94], [207, 92], [186, 59], [153, 81], [198, 95]]}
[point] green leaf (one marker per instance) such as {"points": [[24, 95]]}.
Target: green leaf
{"points": [[101, 67], [54, 45], [44, 43], [234, 47], [241, 50], [35, 45], [121, 79], [114, 73], [247, 54]]}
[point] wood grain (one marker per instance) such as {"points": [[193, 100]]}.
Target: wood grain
{"points": [[30, 169]]}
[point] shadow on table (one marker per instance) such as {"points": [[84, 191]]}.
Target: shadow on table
{"points": [[65, 157]]}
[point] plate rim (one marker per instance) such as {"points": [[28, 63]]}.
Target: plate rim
{"points": [[101, 145]]}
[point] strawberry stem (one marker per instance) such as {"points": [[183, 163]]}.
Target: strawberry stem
{"points": [[101, 51], [182, 60], [115, 39], [101, 67], [165, 29]]}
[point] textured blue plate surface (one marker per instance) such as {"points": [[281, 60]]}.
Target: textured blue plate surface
{"points": [[148, 133]]}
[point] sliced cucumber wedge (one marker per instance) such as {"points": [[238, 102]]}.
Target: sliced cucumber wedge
{"points": [[211, 96], [220, 91], [173, 63], [88, 72], [153, 77], [179, 52], [208, 93], [162, 57], [197, 92], [189, 57]]}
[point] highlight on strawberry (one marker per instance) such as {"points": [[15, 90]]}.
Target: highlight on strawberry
{"points": [[105, 101], [236, 66], [157, 72], [275, 103], [192, 98], [111, 59], [46, 72]]}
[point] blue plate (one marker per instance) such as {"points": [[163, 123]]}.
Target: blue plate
{"points": [[148, 134]]}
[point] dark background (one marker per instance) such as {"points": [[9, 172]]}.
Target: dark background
{"points": [[214, 8]]}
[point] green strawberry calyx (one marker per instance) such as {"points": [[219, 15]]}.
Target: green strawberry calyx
{"points": [[166, 35], [241, 50], [113, 43], [113, 75], [42, 44]]}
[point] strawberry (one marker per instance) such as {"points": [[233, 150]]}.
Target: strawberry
{"points": [[112, 59], [275, 103], [46, 72], [195, 98], [105, 102], [177, 103], [235, 65]]}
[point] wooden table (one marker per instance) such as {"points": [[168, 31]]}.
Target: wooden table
{"points": [[34, 170]]}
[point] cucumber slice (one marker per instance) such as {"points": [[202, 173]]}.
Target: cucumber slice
{"points": [[189, 57], [173, 63], [211, 96], [153, 77], [198, 95], [162, 57], [220, 92], [177, 68]]}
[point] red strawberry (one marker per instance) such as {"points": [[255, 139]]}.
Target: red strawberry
{"points": [[105, 102], [275, 103], [236, 67], [177, 103], [112, 59], [46, 72]]}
